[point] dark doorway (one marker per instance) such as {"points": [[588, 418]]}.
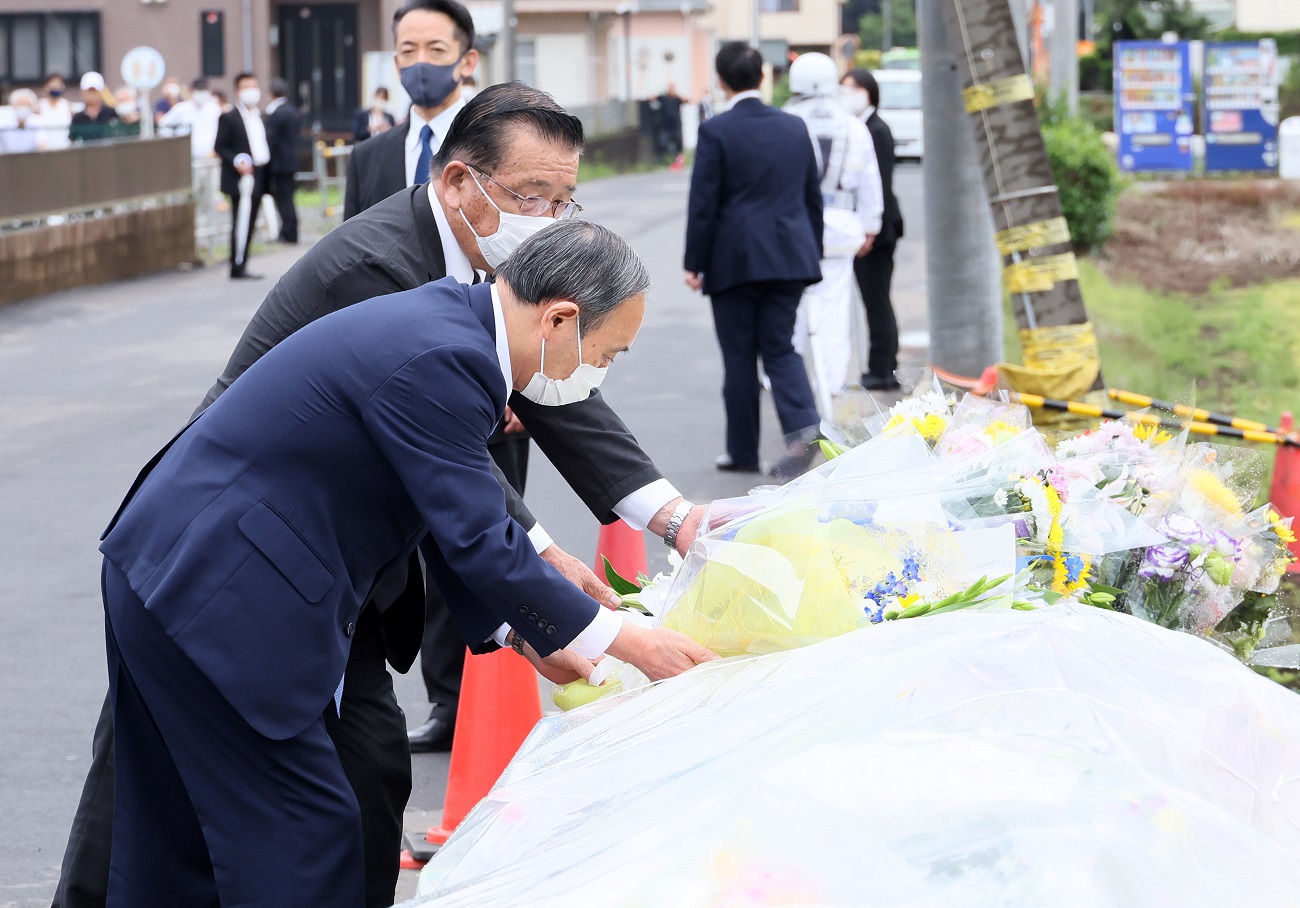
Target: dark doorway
{"points": [[318, 55]]}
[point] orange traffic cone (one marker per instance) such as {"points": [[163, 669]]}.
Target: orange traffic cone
{"points": [[499, 705], [1285, 493], [625, 549]]}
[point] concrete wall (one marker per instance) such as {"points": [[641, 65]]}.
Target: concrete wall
{"points": [[1268, 15], [45, 259]]}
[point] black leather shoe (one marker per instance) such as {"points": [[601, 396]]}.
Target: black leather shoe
{"points": [[798, 457], [434, 736], [880, 382], [246, 276], [724, 463]]}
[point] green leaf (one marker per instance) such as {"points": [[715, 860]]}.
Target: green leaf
{"points": [[830, 450], [620, 585], [632, 604], [1024, 606]]}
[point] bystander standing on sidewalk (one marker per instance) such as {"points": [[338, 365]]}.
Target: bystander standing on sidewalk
{"points": [[22, 129], [55, 112]]}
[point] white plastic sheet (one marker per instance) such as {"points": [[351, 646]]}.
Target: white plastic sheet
{"points": [[1064, 757]]}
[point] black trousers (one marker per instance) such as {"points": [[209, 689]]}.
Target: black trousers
{"points": [[442, 649], [757, 320], [241, 229], [875, 272], [281, 187], [370, 739]]}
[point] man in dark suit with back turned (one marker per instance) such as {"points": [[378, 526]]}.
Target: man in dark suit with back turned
{"points": [[435, 52], [241, 145], [433, 40], [753, 243], [283, 124], [421, 234], [235, 571]]}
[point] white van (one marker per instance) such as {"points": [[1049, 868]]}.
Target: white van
{"points": [[900, 107]]}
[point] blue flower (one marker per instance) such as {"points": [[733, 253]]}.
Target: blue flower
{"points": [[1073, 568], [911, 568]]}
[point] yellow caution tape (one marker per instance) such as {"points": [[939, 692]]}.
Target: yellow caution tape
{"points": [[1040, 274], [1061, 361], [1051, 232], [999, 91]]}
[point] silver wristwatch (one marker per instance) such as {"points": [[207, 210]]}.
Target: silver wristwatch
{"points": [[675, 522], [517, 642]]}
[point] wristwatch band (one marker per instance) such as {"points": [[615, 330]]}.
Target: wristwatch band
{"points": [[516, 642], [675, 522]]}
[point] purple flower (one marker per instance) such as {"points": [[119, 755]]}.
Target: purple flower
{"points": [[1225, 545], [1162, 562], [1185, 530]]}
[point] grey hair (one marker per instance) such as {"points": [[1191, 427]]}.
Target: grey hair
{"points": [[580, 261]]}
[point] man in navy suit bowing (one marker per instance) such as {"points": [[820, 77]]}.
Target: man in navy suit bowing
{"points": [[236, 568], [753, 243]]}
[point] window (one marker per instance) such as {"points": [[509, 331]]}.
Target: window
{"points": [[900, 95], [779, 6], [526, 60], [33, 45]]}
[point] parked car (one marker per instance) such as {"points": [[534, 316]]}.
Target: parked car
{"points": [[900, 107]]}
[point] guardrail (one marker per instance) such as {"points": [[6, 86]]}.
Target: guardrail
{"points": [[41, 184]]}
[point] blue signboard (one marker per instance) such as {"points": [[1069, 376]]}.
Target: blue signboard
{"points": [[1154, 105], [1241, 105]]}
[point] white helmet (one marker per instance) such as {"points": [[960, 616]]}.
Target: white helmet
{"points": [[814, 75]]}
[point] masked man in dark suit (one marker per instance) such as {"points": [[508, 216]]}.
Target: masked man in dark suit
{"points": [[283, 125], [875, 269], [241, 145], [435, 52], [753, 243], [422, 234], [434, 40], [236, 570]]}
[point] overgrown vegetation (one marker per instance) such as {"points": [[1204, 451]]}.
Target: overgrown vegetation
{"points": [[1085, 174]]}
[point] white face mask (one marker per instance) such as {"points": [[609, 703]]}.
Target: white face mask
{"points": [[250, 97], [556, 392], [511, 232], [855, 101], [201, 98]]}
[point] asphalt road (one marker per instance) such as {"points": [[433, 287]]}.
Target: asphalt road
{"points": [[93, 381]]}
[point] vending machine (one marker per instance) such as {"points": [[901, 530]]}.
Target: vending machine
{"points": [[1154, 105], [1241, 105]]}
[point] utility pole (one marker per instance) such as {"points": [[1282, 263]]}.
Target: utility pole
{"points": [[508, 23], [962, 268], [754, 36], [1064, 53], [887, 20]]}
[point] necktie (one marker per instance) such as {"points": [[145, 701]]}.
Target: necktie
{"points": [[426, 155]]}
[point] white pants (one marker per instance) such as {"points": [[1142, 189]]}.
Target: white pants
{"points": [[823, 330]]}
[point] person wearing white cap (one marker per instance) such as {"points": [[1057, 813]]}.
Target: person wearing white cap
{"points": [[92, 122]]}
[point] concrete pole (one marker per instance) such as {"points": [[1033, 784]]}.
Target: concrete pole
{"points": [[754, 36], [887, 20], [963, 269], [1064, 53], [507, 38]]}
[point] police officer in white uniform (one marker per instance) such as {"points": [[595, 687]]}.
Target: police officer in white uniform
{"points": [[854, 203]]}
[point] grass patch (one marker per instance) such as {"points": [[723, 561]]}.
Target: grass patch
{"points": [[1236, 350]]}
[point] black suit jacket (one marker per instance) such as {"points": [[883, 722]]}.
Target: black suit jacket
{"points": [[891, 224], [232, 141], [376, 170], [283, 126], [755, 210], [394, 246]]}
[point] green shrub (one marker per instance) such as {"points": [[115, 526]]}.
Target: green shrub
{"points": [[1086, 176]]}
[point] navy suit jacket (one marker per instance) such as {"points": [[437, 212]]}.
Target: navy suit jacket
{"points": [[258, 533], [755, 210]]}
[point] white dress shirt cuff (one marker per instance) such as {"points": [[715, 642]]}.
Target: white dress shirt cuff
{"points": [[639, 508], [540, 539], [599, 635], [499, 635], [592, 642]]}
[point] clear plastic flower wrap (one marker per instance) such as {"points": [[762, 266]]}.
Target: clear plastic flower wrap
{"points": [[1066, 757]]}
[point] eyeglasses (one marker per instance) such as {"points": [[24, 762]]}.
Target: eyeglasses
{"points": [[533, 205]]}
